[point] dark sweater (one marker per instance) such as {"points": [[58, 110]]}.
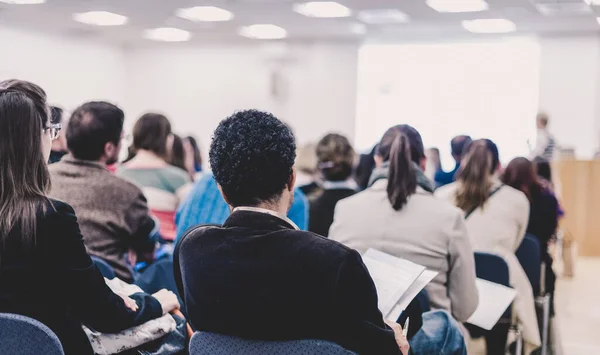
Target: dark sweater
{"points": [[57, 283], [323, 208], [258, 278]]}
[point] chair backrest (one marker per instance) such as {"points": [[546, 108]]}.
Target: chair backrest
{"points": [[493, 268], [204, 343], [106, 270], [530, 258], [423, 298], [20, 335]]}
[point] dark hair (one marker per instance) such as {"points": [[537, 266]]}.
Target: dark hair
{"points": [[335, 157], [401, 145], [197, 155], [56, 114], [459, 144], [543, 168], [177, 153], [252, 155], [24, 176], [480, 162], [520, 174], [91, 126], [151, 132]]}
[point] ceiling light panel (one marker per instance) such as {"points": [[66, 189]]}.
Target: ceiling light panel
{"points": [[205, 14], [100, 18], [23, 2], [458, 5], [323, 9], [263, 31], [564, 7], [167, 34], [383, 16], [489, 26]]}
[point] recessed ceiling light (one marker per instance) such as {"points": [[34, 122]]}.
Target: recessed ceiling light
{"points": [[100, 18], [205, 13], [263, 31], [383, 16], [324, 9], [498, 25], [23, 2], [167, 34], [458, 5]]}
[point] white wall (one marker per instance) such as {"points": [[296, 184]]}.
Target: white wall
{"points": [[570, 91], [71, 71], [196, 87]]}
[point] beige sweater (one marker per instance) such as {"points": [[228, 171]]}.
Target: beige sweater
{"points": [[427, 231]]}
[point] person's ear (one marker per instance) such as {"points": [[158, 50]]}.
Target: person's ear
{"points": [[109, 149], [423, 163], [222, 194], [378, 160], [292, 181]]}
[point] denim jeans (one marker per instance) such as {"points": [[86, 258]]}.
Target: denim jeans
{"points": [[439, 335]]}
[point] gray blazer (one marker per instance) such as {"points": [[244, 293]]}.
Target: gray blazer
{"points": [[426, 231]]}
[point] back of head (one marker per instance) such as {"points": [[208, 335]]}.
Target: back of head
{"points": [[542, 120], [475, 175], [520, 174], [335, 157], [401, 146], [196, 149], [543, 168], [24, 177], [459, 144], [252, 155], [56, 114], [151, 132], [177, 153], [93, 125], [306, 159]]}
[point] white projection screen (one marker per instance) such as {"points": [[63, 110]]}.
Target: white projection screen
{"points": [[487, 89]]}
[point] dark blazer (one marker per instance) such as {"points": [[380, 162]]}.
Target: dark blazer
{"points": [[323, 208], [258, 278], [56, 283]]}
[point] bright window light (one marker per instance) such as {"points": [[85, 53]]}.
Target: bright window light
{"points": [[263, 31], [168, 34], [100, 18], [483, 88], [324, 9], [376, 17], [458, 5], [498, 25], [23, 2], [205, 13]]}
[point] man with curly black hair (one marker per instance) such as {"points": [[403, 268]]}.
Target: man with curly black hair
{"points": [[258, 276]]}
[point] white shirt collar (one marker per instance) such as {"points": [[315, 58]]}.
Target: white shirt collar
{"points": [[272, 213]]}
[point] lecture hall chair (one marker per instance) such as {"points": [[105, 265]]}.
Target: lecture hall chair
{"points": [[530, 258], [204, 343], [21, 335]]}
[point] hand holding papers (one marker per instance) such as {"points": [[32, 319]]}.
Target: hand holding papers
{"points": [[397, 281]]}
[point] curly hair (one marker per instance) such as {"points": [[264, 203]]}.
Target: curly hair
{"points": [[252, 155]]}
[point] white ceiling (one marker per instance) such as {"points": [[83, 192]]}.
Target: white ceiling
{"points": [[55, 16]]}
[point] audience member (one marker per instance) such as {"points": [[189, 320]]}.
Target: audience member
{"points": [[457, 146], [335, 157], [59, 145], [496, 217], [46, 273], [113, 213], [165, 186], [364, 169], [543, 217], [269, 265], [399, 215], [545, 143], [434, 163], [176, 153], [307, 172], [193, 158]]}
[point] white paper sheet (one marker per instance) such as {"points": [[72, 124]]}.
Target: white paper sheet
{"points": [[494, 299], [411, 293], [392, 276]]}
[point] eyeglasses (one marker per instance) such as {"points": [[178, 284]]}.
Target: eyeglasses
{"points": [[54, 129]]}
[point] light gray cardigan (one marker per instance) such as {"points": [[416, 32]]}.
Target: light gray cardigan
{"points": [[427, 231]]}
